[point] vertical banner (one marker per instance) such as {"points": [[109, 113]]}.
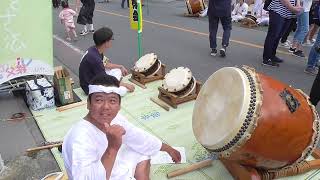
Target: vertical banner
{"points": [[25, 39], [135, 11]]}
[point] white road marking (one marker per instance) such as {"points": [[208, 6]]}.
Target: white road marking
{"points": [[68, 44]]}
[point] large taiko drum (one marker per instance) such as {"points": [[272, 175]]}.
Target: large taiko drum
{"points": [[195, 6], [254, 119], [148, 65]]}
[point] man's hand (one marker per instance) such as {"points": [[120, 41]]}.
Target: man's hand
{"points": [[124, 71], [114, 135], [297, 9], [175, 155]]}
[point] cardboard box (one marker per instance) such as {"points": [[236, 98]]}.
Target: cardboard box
{"points": [[63, 85]]}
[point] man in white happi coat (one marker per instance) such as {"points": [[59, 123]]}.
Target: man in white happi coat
{"points": [[240, 11], [104, 145]]}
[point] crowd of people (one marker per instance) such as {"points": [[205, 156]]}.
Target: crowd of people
{"points": [[282, 18]]}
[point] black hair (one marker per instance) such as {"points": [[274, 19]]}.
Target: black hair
{"points": [[105, 80], [64, 4], [102, 35], [55, 3]]}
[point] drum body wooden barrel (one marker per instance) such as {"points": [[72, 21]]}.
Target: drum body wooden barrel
{"points": [[254, 119], [195, 6]]}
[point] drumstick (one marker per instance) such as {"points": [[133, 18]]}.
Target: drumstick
{"points": [[137, 83], [160, 103], [190, 168], [43, 147]]}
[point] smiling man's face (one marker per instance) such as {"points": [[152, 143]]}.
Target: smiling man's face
{"points": [[103, 107]]}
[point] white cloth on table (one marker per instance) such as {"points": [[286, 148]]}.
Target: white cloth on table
{"points": [[84, 145], [115, 72]]}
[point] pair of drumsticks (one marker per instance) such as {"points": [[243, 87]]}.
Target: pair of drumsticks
{"points": [[178, 172]]}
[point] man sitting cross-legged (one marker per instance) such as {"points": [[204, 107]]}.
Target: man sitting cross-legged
{"points": [[104, 145], [94, 62]]}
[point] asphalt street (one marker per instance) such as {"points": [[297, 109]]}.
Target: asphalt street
{"points": [[178, 41]]}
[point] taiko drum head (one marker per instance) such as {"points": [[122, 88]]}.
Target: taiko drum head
{"points": [[219, 108], [177, 79], [145, 62]]}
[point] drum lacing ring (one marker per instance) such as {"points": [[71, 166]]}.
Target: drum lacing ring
{"points": [[249, 116], [307, 152], [315, 142]]}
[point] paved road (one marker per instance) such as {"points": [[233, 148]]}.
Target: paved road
{"points": [[179, 41]]}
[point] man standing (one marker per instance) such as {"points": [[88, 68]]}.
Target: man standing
{"points": [[94, 62], [219, 10], [104, 144], [85, 15], [280, 14]]}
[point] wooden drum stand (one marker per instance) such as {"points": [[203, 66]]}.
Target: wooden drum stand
{"points": [[140, 79]]}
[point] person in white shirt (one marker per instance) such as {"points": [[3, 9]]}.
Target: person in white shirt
{"points": [[257, 6], [240, 11], [261, 14], [104, 145], [302, 29]]}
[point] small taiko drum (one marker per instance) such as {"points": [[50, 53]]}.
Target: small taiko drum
{"points": [[254, 120], [149, 64], [251, 17], [179, 81], [195, 6]]}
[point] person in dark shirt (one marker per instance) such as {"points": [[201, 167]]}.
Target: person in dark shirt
{"points": [[219, 10], [85, 15], [281, 13], [94, 62]]}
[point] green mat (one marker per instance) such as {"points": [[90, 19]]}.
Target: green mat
{"points": [[173, 127]]}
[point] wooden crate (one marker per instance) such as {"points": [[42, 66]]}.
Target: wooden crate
{"points": [[63, 85]]}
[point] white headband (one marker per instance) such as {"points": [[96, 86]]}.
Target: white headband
{"points": [[100, 88]]}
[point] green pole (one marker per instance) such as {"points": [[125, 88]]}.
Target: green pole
{"points": [[139, 29]]}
